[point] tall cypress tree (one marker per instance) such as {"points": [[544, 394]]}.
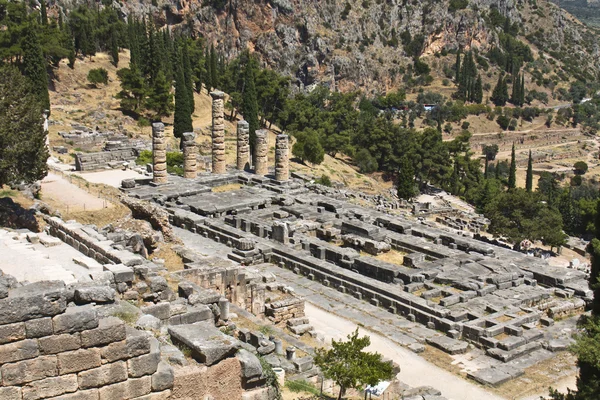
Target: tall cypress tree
{"points": [[187, 73], [114, 47], [477, 96], [208, 80], [512, 175], [499, 96], [406, 187], [214, 78], [160, 99], [43, 13], [457, 66], [529, 178], [249, 101], [183, 117], [522, 99], [34, 66]]}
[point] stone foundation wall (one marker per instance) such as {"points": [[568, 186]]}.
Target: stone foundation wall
{"points": [[49, 349], [281, 311], [104, 159]]}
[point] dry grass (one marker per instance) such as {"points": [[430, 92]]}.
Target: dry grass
{"points": [[226, 188], [392, 257], [100, 218], [173, 261], [438, 358]]}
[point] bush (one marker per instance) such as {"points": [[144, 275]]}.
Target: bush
{"points": [[580, 167], [503, 121], [324, 180], [465, 125], [421, 67], [97, 76], [365, 161]]}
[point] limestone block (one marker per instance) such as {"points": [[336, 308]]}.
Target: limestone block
{"points": [[79, 395], [11, 392], [12, 332], [121, 272], [50, 387], [79, 360], [136, 344], [146, 364], [158, 283], [251, 366], [208, 344], [129, 389], [75, 319], [109, 330], [261, 153], [218, 134], [104, 375], [161, 310], [17, 351], [148, 322], [29, 370], [159, 153], [96, 294], [164, 395], [190, 155], [59, 343], [163, 378], [37, 300]]}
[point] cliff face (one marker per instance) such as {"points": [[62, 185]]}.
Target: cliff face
{"points": [[363, 44]]}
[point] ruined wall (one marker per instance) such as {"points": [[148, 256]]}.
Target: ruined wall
{"points": [[49, 349], [112, 159]]}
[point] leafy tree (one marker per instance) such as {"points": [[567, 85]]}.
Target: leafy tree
{"points": [[308, 148], [490, 151], [577, 91], [580, 167], [365, 162], [23, 152], [160, 98], [406, 186], [512, 176], [133, 88], [529, 177], [34, 66], [97, 76], [347, 364]]}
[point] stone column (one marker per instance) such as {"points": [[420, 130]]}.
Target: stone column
{"points": [[243, 145], [282, 158], [224, 308], [159, 153], [261, 163], [218, 133], [190, 155]]}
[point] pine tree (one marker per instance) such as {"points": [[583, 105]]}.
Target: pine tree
{"points": [[114, 47], [504, 89], [477, 91], [134, 45], [160, 99], [23, 151], [522, 97], [249, 101], [183, 117], [43, 13], [512, 175], [406, 186], [214, 79], [34, 66], [529, 177]]}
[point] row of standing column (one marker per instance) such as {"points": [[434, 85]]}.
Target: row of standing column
{"points": [[190, 150]]}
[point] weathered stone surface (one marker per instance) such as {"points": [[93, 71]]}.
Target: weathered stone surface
{"points": [[449, 345], [96, 294], [50, 387], [251, 366], [36, 328], [91, 394], [79, 360], [136, 344], [12, 332], [160, 310], [11, 392], [17, 351], [164, 395], [121, 272], [261, 151], [282, 158], [59, 343], [159, 153], [37, 300], [218, 134], [146, 364], [109, 330], [129, 389], [75, 319], [163, 378], [243, 145], [208, 344], [104, 375], [496, 375], [148, 322], [157, 283], [29, 370], [173, 355], [190, 155]]}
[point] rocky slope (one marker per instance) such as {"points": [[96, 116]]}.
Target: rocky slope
{"points": [[363, 44]]}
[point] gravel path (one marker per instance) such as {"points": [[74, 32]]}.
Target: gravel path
{"points": [[69, 196]]}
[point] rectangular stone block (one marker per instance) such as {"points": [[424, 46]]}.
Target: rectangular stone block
{"points": [[104, 375], [17, 351], [36, 328], [12, 332], [11, 392], [80, 395], [75, 319], [29, 370], [143, 365], [59, 343], [164, 395], [129, 389], [136, 344], [37, 300], [109, 330], [80, 360], [50, 387], [120, 272]]}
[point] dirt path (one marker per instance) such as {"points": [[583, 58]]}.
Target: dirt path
{"points": [[62, 194], [415, 370]]}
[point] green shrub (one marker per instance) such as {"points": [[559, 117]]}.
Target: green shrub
{"points": [[97, 76], [324, 180]]}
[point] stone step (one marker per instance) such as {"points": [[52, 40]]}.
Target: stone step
{"points": [[506, 356]]}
